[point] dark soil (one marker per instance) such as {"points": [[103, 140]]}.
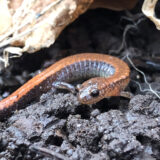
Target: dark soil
{"points": [[57, 126]]}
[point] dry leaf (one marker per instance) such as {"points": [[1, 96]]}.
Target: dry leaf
{"points": [[34, 24]]}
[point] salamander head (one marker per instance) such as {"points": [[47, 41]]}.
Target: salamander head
{"points": [[91, 91]]}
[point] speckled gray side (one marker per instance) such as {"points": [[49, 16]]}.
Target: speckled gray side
{"points": [[85, 69]]}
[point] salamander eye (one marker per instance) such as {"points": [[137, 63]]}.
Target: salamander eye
{"points": [[95, 93]]}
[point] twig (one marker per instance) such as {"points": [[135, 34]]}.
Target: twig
{"points": [[145, 79], [49, 153], [8, 41], [127, 28], [140, 87], [49, 7]]}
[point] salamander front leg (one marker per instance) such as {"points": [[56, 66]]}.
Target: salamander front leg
{"points": [[126, 94], [64, 85]]}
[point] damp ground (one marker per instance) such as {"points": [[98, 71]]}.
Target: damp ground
{"points": [[57, 126]]}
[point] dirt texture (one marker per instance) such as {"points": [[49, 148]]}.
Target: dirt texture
{"points": [[57, 126]]}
